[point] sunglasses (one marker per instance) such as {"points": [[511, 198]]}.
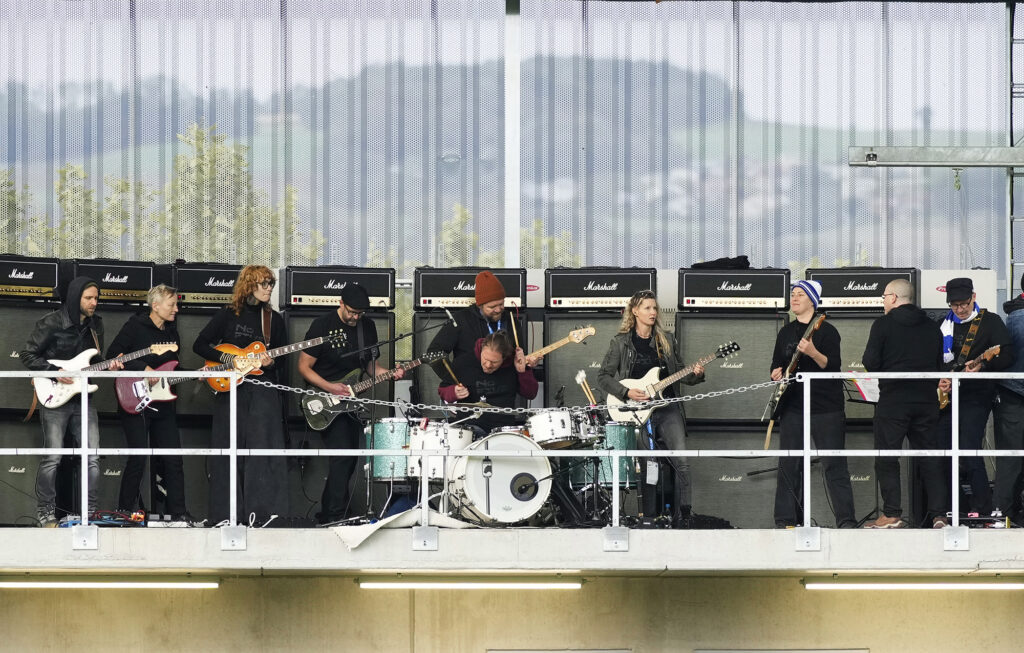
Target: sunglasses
{"points": [[270, 283]]}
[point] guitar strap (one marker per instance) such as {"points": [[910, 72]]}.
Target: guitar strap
{"points": [[267, 314], [969, 340]]}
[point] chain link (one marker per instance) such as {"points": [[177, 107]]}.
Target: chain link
{"points": [[403, 406]]}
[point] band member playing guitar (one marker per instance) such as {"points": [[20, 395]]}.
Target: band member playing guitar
{"points": [[640, 345], [63, 334], [156, 426], [322, 366], [969, 332], [817, 350], [263, 480]]}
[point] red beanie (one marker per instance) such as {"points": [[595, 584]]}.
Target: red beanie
{"points": [[488, 288]]}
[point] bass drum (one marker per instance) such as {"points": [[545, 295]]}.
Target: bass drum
{"points": [[500, 490]]}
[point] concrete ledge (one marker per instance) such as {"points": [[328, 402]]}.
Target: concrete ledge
{"points": [[509, 550]]}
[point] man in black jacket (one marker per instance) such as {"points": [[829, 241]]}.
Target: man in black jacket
{"points": [[905, 340], [970, 334], [62, 335]]}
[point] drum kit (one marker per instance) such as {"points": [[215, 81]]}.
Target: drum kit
{"points": [[510, 489]]}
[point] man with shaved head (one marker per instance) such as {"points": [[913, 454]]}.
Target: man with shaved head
{"points": [[905, 340]]}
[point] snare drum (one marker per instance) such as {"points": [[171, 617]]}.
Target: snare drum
{"points": [[616, 436], [552, 429], [500, 490], [389, 433], [435, 436]]}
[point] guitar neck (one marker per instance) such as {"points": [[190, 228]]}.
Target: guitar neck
{"points": [[99, 367], [544, 351], [298, 346], [811, 328], [672, 378], [386, 376]]}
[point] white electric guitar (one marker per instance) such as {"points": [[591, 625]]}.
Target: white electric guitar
{"points": [[52, 393], [650, 384]]}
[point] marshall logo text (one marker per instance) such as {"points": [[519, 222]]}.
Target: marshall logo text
{"points": [[736, 287], [114, 278], [596, 287], [20, 275], [334, 285], [853, 285], [214, 282]]}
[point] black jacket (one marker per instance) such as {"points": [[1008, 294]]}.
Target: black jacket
{"points": [[991, 332], [904, 340], [63, 334], [138, 333], [461, 340]]}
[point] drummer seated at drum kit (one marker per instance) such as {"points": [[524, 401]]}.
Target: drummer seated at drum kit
{"points": [[493, 374]]}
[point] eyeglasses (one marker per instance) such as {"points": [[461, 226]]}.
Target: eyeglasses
{"points": [[957, 306], [887, 294], [269, 283]]}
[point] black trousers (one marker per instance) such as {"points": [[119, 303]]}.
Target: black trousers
{"points": [[343, 433], [262, 480], [158, 429], [828, 431], [915, 422]]}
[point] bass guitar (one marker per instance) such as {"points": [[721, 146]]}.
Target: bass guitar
{"points": [[986, 355], [576, 335], [52, 393], [650, 384], [254, 352], [320, 411]]}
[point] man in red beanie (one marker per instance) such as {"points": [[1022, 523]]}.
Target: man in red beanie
{"points": [[486, 316]]}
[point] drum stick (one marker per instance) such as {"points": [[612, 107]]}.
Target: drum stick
{"points": [[451, 371], [590, 393], [515, 334]]}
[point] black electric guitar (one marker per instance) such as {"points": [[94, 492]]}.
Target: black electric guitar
{"points": [[771, 411]]}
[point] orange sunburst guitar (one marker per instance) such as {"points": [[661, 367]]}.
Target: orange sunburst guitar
{"points": [[254, 351]]}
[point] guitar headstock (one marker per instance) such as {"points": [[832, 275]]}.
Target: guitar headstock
{"points": [[161, 348], [581, 334], [336, 339], [991, 352], [726, 350], [432, 356]]}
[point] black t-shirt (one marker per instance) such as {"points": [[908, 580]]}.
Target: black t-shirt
{"points": [[646, 358], [497, 389], [332, 363], [826, 394]]}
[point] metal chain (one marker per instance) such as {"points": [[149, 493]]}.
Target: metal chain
{"points": [[656, 403]]}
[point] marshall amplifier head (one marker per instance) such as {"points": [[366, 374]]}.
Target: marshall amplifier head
{"points": [[121, 282], [205, 284], [25, 277], [321, 286], [857, 288], [595, 288], [456, 287], [733, 289]]}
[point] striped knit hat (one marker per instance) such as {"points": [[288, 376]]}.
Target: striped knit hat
{"points": [[811, 288]]}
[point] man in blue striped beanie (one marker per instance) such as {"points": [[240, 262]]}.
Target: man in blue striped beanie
{"points": [[818, 350]]}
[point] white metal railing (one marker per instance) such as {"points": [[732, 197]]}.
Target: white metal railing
{"points": [[233, 452]]}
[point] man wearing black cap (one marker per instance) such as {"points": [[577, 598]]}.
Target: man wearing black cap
{"points": [[322, 367], [969, 334], [62, 335]]}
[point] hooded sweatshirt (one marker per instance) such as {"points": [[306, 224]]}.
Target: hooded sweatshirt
{"points": [[63, 334], [904, 340], [1014, 310]]}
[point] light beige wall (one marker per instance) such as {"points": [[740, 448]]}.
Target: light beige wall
{"points": [[645, 615]]}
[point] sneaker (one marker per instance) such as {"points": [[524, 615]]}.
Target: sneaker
{"points": [[848, 524], [886, 522], [47, 517], [940, 522]]}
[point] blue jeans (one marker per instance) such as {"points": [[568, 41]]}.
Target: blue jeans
{"points": [[56, 422]]}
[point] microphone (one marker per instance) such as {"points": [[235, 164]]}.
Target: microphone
{"points": [[450, 318]]}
